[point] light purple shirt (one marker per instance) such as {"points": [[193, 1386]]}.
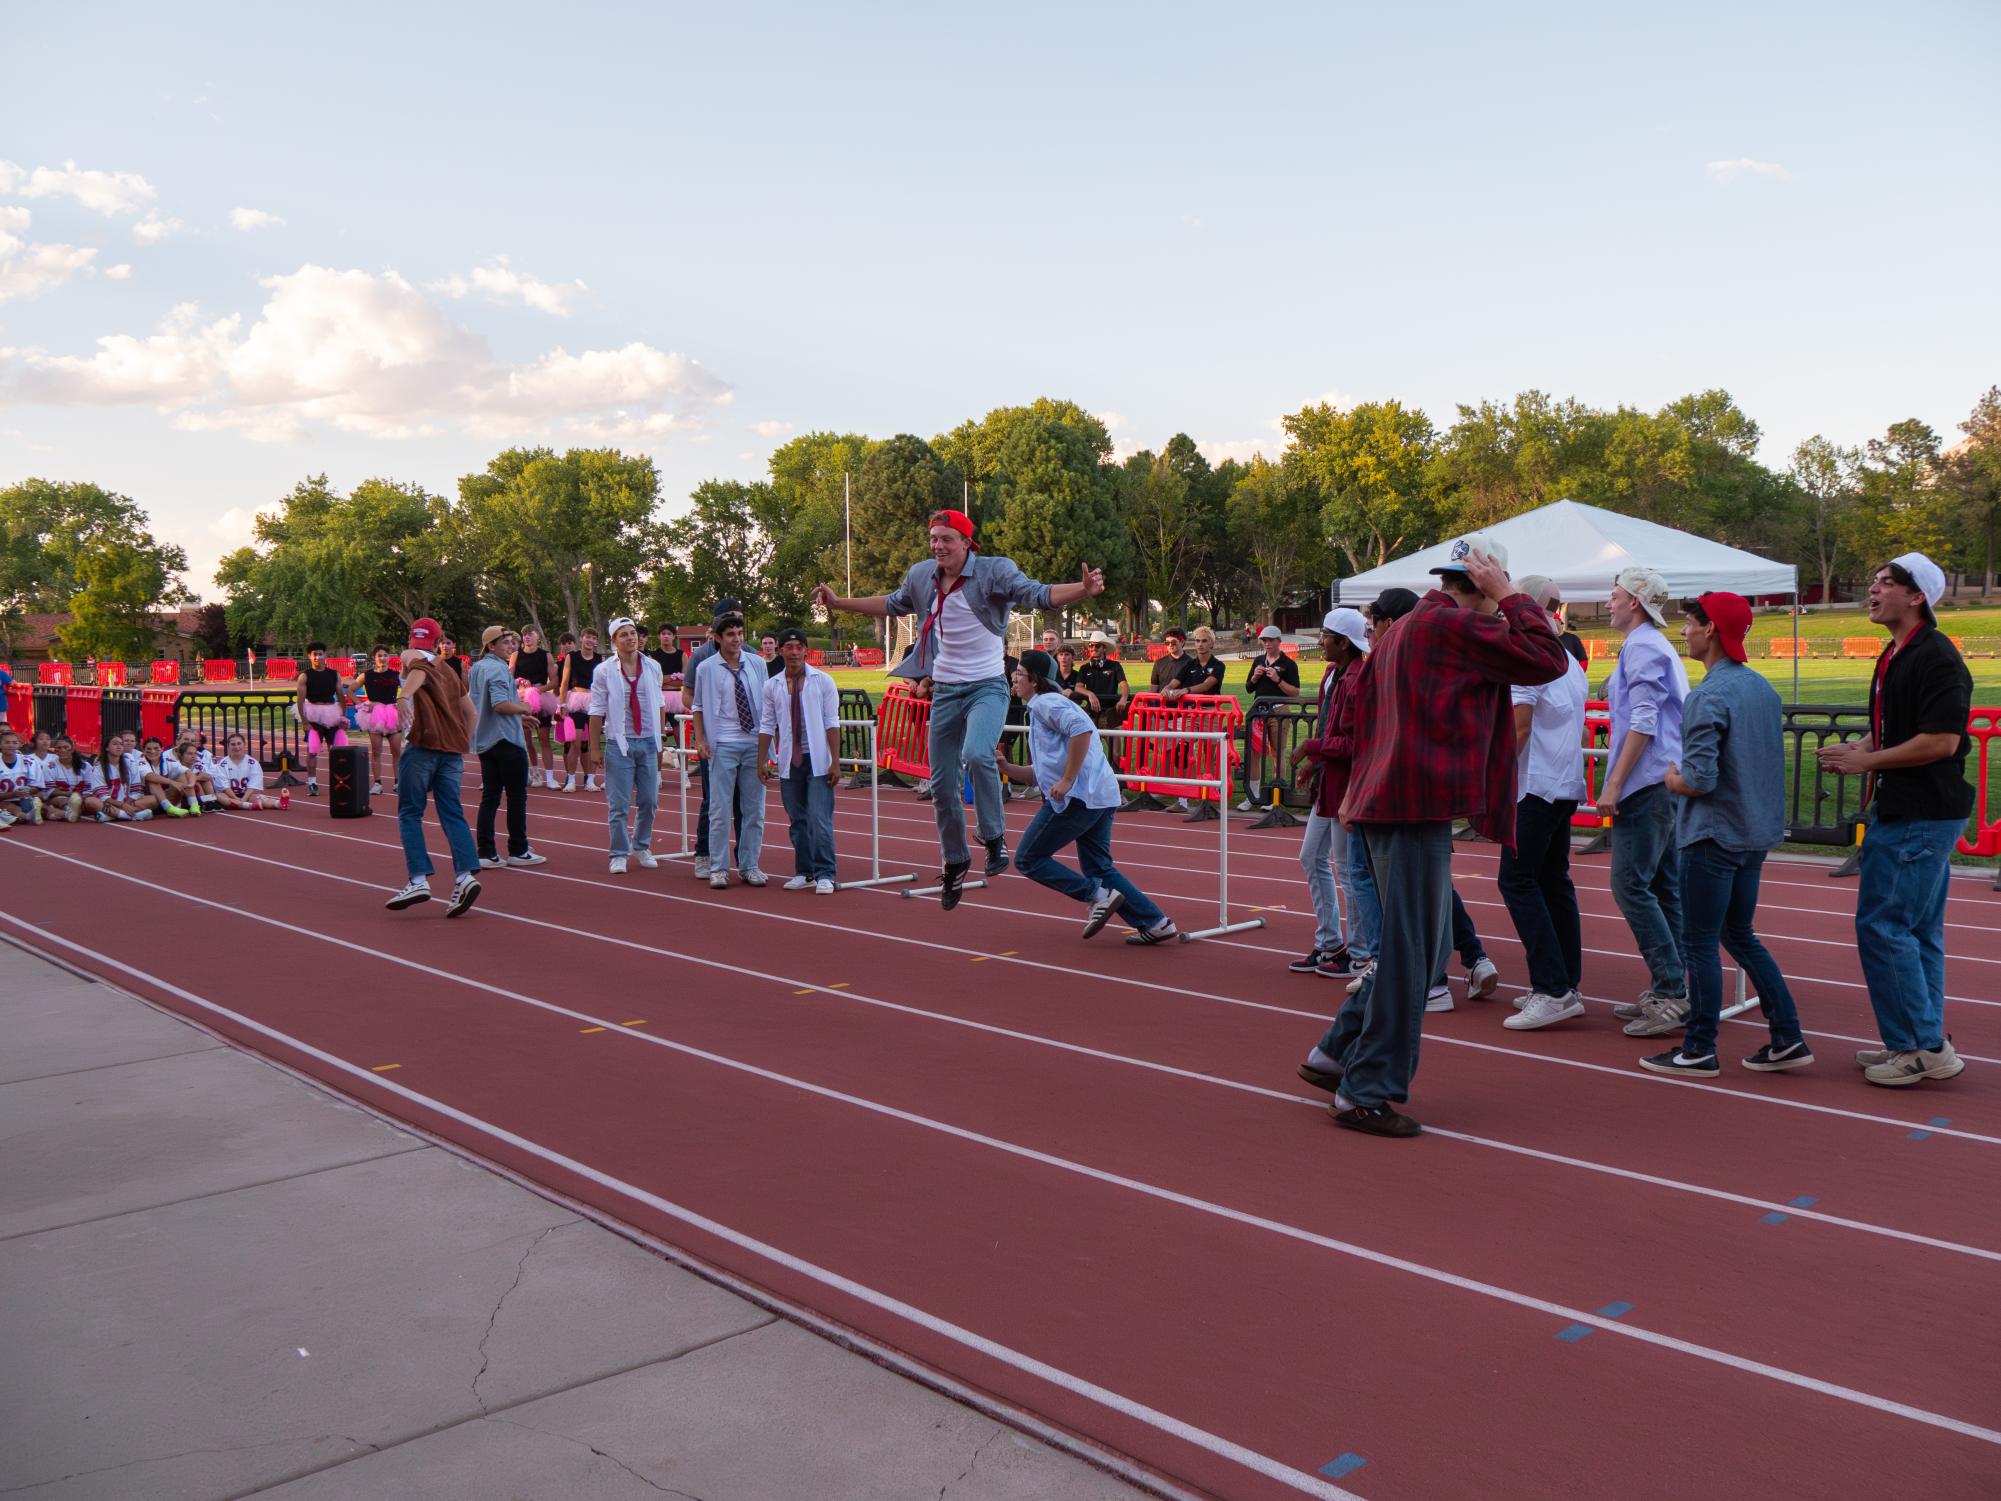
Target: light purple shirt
{"points": [[1645, 695]]}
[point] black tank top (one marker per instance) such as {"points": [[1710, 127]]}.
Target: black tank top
{"points": [[533, 666], [322, 685], [581, 669], [381, 686]]}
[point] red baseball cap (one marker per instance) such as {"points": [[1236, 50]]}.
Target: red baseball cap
{"points": [[425, 634], [1731, 615], [958, 521]]}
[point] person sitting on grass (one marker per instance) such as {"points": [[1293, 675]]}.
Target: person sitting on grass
{"points": [[20, 782], [1080, 796], [66, 781], [163, 780], [239, 776]]}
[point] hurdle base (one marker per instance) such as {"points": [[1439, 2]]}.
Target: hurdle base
{"points": [[909, 875], [676, 855], [1738, 1008], [1231, 927], [964, 886], [1278, 818]]}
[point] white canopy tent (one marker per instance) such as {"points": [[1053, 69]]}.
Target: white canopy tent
{"points": [[1583, 548]]}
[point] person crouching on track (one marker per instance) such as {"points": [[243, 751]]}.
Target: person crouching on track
{"points": [[434, 753], [1080, 796], [20, 782], [239, 776], [625, 741], [801, 723]]}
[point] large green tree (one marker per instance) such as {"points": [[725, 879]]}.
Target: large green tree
{"points": [[49, 528], [722, 551], [1153, 496], [1369, 466], [120, 582], [901, 482], [1826, 473], [1973, 480], [803, 513], [1054, 505], [1275, 528], [1902, 507]]}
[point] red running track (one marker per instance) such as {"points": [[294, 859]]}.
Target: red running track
{"points": [[1083, 1180]]}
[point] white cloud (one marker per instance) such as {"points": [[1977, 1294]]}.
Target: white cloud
{"points": [[368, 354], [152, 229], [107, 193], [771, 427], [247, 219], [499, 282], [119, 272], [1745, 166], [30, 270], [234, 526], [14, 218]]}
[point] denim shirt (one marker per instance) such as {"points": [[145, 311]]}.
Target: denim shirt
{"points": [[1733, 750], [993, 587], [491, 682], [1645, 695]]}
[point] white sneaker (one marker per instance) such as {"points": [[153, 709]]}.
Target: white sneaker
{"points": [[1539, 1010], [590, 784], [531, 858], [1362, 974], [797, 883], [1481, 980], [493, 864], [618, 865], [553, 782], [647, 859], [702, 864], [1439, 998], [754, 877], [375, 789], [1245, 805], [569, 784], [417, 891], [823, 887], [719, 880]]}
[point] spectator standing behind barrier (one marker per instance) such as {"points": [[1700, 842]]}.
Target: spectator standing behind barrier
{"points": [[1916, 750], [728, 689], [1731, 780], [1645, 694], [1167, 668], [498, 739], [1273, 678], [1104, 683], [964, 598], [704, 863], [1436, 742], [801, 722], [1321, 765], [434, 752], [625, 740], [1535, 875], [1200, 672], [1065, 676], [1080, 800]]}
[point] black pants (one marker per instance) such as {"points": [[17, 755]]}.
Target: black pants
{"points": [[503, 767], [1535, 883]]}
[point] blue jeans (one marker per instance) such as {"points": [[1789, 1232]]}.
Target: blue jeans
{"points": [[733, 775], [1646, 883], [1358, 881], [1900, 926], [1316, 858], [966, 723], [1090, 829], [636, 769], [418, 775], [1376, 1034], [702, 818], [1721, 889], [809, 810]]}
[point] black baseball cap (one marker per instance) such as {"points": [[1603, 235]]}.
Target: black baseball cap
{"points": [[1394, 604], [1039, 665], [726, 607], [791, 633]]}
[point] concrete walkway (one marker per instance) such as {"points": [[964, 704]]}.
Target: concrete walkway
{"points": [[219, 1281]]}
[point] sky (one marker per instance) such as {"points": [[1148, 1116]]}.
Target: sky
{"points": [[244, 245]]}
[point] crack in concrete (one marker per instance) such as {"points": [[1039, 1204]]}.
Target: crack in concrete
{"points": [[971, 1464], [570, 1438], [154, 1459], [520, 1269]]}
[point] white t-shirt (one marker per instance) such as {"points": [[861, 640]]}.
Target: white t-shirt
{"points": [[238, 778], [62, 782], [1552, 765], [967, 650], [136, 770], [22, 774]]}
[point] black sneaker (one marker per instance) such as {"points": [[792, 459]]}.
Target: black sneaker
{"points": [[1328, 1079], [1102, 909], [1308, 962], [1771, 1059], [464, 894], [1374, 1120], [952, 885], [1674, 1062], [997, 859]]}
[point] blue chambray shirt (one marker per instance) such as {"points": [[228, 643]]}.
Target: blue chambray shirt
{"points": [[1733, 750], [1053, 722], [1646, 693]]}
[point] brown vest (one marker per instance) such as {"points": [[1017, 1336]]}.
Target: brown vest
{"points": [[437, 711]]}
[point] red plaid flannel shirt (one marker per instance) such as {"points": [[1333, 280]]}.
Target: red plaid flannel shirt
{"points": [[1435, 733]]}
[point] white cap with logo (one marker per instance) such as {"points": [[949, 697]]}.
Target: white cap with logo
{"points": [[1343, 620], [1477, 542]]}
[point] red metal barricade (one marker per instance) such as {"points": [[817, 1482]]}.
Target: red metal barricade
{"points": [[815, 657], [58, 674], [1155, 650], [1160, 755], [111, 675], [286, 669], [166, 673], [83, 717], [218, 670], [342, 665], [21, 709], [156, 712], [868, 656], [903, 732], [1983, 725], [1597, 736]]}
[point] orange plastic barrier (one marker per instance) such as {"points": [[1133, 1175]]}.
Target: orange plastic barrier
{"points": [[903, 732], [1784, 649], [868, 656], [1597, 736], [1155, 650], [1983, 725], [83, 717], [156, 712], [1862, 646], [218, 670], [342, 665], [815, 657], [21, 708], [1162, 756], [166, 673], [111, 674], [285, 669], [55, 672]]}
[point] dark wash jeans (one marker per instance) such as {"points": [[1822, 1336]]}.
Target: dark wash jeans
{"points": [[1719, 888], [1091, 830], [1646, 883], [1535, 883]]}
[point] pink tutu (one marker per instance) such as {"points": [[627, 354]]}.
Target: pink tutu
{"points": [[578, 701], [380, 719], [567, 732], [540, 701], [324, 717]]}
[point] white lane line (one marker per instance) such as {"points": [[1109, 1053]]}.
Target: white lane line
{"points": [[1220, 1081], [1207, 1207], [1319, 1018], [1201, 1438]]}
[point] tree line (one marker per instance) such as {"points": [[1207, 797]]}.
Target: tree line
{"points": [[560, 540]]}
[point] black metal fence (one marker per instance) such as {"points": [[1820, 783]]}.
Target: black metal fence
{"points": [[264, 718]]}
